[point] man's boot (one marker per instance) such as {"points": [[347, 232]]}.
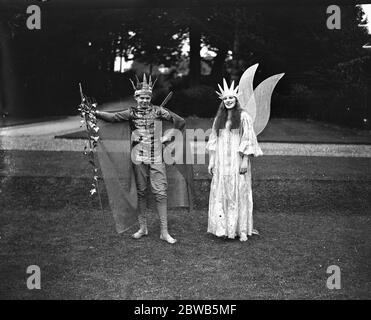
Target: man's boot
{"points": [[142, 219], [162, 212]]}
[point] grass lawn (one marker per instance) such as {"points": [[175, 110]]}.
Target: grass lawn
{"points": [[306, 225]]}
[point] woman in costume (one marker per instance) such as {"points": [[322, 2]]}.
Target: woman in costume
{"points": [[231, 146]]}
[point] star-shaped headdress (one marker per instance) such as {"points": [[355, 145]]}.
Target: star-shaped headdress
{"points": [[144, 87], [227, 92]]}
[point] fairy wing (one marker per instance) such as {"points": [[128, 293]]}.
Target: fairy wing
{"points": [[257, 102], [245, 91], [261, 100]]}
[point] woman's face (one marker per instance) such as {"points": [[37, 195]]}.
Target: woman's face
{"points": [[229, 102]]}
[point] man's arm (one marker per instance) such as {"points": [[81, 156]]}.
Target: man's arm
{"points": [[178, 123], [113, 117]]}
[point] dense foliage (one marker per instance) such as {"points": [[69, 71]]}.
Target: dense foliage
{"points": [[326, 70]]}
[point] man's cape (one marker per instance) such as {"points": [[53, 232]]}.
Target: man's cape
{"points": [[114, 155]]}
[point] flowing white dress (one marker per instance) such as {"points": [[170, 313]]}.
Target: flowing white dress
{"points": [[230, 202]]}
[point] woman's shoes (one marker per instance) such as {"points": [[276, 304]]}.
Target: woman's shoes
{"points": [[243, 236]]}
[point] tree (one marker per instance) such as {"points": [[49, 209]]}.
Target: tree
{"points": [[195, 47], [9, 91]]}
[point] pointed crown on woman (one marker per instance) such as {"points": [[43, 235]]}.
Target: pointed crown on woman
{"points": [[227, 92]]}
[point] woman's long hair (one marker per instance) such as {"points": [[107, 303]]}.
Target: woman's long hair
{"points": [[222, 116]]}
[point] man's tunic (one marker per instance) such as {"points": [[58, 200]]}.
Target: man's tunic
{"points": [[146, 128]]}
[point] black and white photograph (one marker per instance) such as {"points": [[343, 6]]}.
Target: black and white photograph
{"points": [[185, 151]]}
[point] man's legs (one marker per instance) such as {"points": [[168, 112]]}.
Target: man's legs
{"points": [[159, 189], [141, 177]]}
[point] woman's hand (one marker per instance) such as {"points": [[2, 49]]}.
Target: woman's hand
{"points": [[210, 168], [243, 165]]}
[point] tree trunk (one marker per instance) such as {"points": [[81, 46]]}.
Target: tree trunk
{"points": [[218, 64], [9, 96], [2, 97], [194, 55], [235, 74]]}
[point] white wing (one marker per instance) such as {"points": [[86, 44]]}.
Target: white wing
{"points": [[261, 101], [245, 91]]}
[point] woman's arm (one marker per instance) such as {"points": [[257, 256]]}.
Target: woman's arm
{"points": [[249, 143], [211, 148], [211, 166]]}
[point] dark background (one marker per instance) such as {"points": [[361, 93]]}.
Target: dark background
{"points": [[327, 72]]}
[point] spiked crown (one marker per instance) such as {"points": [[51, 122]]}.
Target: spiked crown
{"points": [[227, 92], [144, 87]]}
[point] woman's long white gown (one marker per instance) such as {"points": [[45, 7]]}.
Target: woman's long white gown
{"points": [[230, 202]]}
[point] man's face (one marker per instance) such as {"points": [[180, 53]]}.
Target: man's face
{"points": [[143, 100], [229, 102]]}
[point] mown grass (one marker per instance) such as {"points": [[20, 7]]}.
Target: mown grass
{"points": [[305, 227]]}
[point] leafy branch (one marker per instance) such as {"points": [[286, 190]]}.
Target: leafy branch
{"points": [[87, 110]]}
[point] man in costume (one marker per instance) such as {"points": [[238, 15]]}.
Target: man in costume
{"points": [[147, 143]]}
